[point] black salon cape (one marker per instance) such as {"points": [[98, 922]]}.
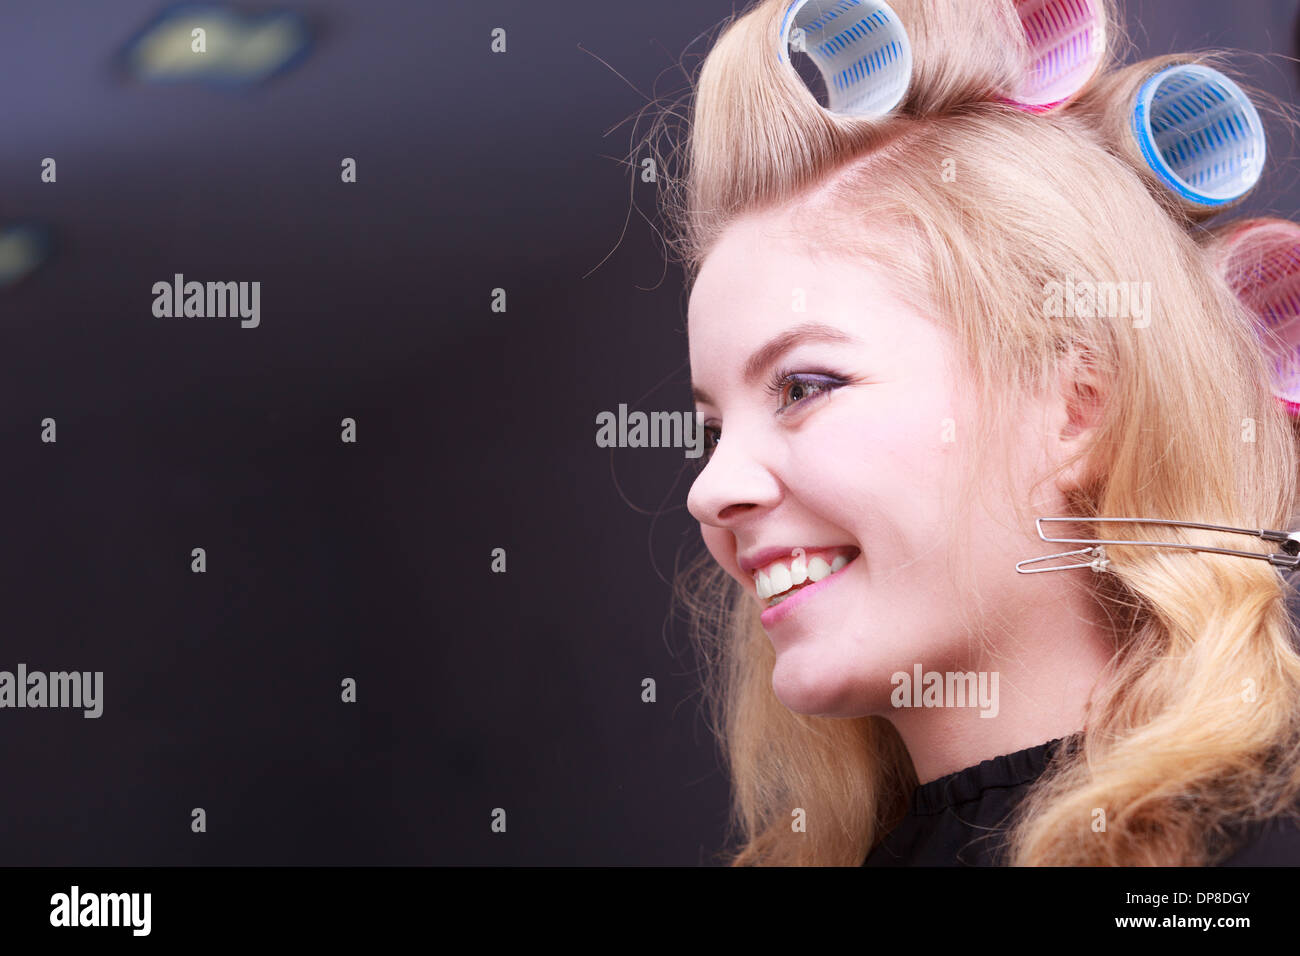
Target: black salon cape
{"points": [[959, 820]]}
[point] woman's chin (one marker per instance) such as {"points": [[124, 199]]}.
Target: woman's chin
{"points": [[816, 688]]}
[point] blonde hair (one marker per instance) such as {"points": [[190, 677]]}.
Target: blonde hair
{"points": [[1195, 728]]}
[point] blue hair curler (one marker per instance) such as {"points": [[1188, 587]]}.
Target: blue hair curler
{"points": [[1200, 134], [859, 46]]}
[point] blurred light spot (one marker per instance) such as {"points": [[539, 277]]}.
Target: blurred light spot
{"points": [[242, 49], [22, 249]]}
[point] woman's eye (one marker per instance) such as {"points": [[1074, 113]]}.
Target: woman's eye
{"points": [[791, 389], [712, 435]]}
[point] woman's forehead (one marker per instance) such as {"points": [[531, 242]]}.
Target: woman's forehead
{"points": [[758, 282]]}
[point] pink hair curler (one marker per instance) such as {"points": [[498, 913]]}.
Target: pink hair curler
{"points": [[1067, 39], [1262, 266]]}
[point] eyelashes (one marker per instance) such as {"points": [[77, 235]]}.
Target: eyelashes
{"points": [[712, 435], [791, 389], [801, 388]]}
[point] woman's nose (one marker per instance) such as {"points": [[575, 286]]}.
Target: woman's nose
{"points": [[736, 482]]}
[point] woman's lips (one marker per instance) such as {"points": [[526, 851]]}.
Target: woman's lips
{"points": [[786, 570], [802, 595]]}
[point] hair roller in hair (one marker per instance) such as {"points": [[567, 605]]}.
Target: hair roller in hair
{"points": [[1200, 134], [1260, 259], [1066, 40], [860, 48]]}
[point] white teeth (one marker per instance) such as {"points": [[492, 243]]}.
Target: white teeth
{"points": [[780, 577], [798, 570], [818, 569], [778, 580]]}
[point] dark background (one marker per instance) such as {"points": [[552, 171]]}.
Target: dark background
{"points": [[476, 431]]}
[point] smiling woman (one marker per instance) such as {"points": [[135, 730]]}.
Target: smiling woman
{"points": [[889, 402], [840, 437]]}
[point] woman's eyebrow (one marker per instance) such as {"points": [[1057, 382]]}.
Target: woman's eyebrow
{"points": [[780, 344], [777, 346]]}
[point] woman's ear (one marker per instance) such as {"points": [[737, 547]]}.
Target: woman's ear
{"points": [[1075, 417]]}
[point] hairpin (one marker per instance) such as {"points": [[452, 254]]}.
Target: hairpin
{"points": [[1260, 259], [1199, 133], [1287, 559]]}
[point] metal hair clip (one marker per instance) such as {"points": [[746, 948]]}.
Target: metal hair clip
{"points": [[1287, 559]]}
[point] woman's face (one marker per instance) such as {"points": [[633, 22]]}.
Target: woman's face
{"points": [[838, 451]]}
